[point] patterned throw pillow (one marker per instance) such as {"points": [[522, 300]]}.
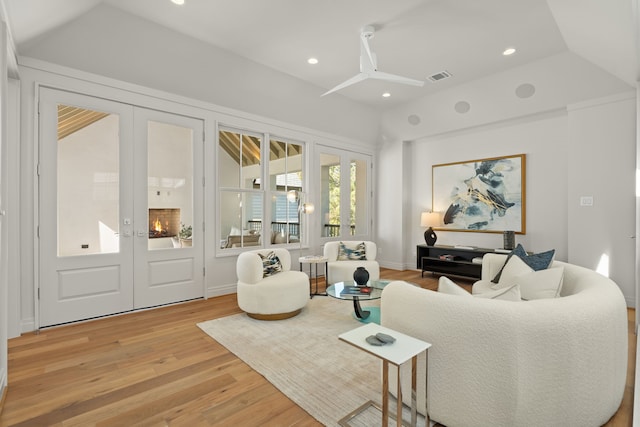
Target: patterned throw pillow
{"points": [[357, 254], [270, 264]]}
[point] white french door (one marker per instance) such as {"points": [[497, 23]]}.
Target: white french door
{"points": [[168, 178], [116, 186]]}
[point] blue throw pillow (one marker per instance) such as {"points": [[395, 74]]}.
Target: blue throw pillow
{"points": [[537, 262]]}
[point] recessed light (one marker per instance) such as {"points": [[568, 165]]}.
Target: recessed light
{"points": [[386, 94], [312, 61], [178, 2], [509, 51]]}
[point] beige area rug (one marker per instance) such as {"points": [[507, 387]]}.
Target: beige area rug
{"points": [[304, 359]]}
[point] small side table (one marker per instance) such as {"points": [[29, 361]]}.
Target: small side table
{"points": [[314, 259], [405, 348]]}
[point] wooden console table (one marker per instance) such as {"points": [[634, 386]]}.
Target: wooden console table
{"points": [[429, 258]]}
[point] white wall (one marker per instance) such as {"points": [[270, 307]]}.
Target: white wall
{"points": [[544, 141], [4, 194], [602, 165]]}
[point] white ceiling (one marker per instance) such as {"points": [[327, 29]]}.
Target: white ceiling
{"points": [[414, 38]]}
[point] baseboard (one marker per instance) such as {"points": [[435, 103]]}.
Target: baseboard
{"points": [[221, 290], [27, 325], [392, 265]]}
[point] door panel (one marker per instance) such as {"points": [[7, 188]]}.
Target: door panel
{"points": [[169, 156], [85, 247]]}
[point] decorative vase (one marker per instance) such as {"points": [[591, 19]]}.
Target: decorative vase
{"points": [[361, 276], [509, 240]]}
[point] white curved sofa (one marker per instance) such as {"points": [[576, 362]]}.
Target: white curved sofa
{"points": [[280, 296], [546, 362], [342, 270]]}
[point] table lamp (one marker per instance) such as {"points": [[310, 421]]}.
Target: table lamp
{"points": [[430, 219]]}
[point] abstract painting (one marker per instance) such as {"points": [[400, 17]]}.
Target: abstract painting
{"points": [[486, 195]]}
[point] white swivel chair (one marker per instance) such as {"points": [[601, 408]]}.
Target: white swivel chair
{"points": [[275, 297], [340, 270]]}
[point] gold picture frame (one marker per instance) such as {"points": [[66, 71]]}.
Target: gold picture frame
{"points": [[484, 195]]}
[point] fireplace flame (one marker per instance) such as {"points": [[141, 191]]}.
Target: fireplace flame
{"points": [[157, 225]]}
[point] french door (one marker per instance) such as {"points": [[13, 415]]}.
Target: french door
{"points": [[345, 193], [120, 207]]}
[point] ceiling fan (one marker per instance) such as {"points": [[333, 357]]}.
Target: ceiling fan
{"points": [[369, 66]]}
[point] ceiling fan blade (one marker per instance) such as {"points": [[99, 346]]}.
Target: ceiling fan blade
{"points": [[353, 80], [367, 58], [395, 78]]}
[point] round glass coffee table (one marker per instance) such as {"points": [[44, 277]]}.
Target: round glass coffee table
{"points": [[349, 291]]}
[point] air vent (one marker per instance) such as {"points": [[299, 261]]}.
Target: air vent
{"points": [[439, 76]]}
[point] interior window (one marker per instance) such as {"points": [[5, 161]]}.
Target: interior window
{"points": [[241, 196], [257, 210], [286, 186]]}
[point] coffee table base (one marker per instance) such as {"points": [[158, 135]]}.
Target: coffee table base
{"points": [[372, 315]]}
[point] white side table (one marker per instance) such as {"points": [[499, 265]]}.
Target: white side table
{"points": [[405, 348], [314, 259]]}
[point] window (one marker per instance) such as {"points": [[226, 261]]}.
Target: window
{"points": [[255, 210], [241, 196], [285, 181]]}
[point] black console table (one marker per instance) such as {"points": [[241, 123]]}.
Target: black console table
{"points": [[450, 260]]}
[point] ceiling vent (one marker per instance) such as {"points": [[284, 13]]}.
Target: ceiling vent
{"points": [[439, 76]]}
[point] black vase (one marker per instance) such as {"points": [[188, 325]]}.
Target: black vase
{"points": [[361, 276], [509, 240]]}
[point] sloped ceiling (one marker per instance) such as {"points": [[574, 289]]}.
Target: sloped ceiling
{"points": [[415, 38], [604, 33]]}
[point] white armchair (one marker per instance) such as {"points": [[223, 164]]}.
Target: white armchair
{"points": [[275, 297], [342, 270]]}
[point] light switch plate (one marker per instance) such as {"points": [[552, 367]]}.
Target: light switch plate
{"points": [[586, 200]]}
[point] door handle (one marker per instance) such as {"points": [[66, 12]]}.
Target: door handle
{"points": [[142, 233]]}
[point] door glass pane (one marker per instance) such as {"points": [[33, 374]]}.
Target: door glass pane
{"points": [[87, 181], [330, 194], [170, 186], [358, 197]]}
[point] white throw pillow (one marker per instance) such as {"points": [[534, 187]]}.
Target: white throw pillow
{"points": [[508, 293], [541, 284], [513, 268], [446, 286]]}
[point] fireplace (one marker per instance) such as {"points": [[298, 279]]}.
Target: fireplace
{"points": [[164, 223]]}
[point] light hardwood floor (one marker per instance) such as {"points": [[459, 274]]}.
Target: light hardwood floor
{"points": [[156, 368]]}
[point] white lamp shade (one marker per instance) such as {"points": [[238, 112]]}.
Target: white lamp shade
{"points": [[308, 208], [429, 219]]}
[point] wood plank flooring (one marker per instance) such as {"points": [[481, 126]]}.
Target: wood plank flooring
{"points": [[156, 368]]}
